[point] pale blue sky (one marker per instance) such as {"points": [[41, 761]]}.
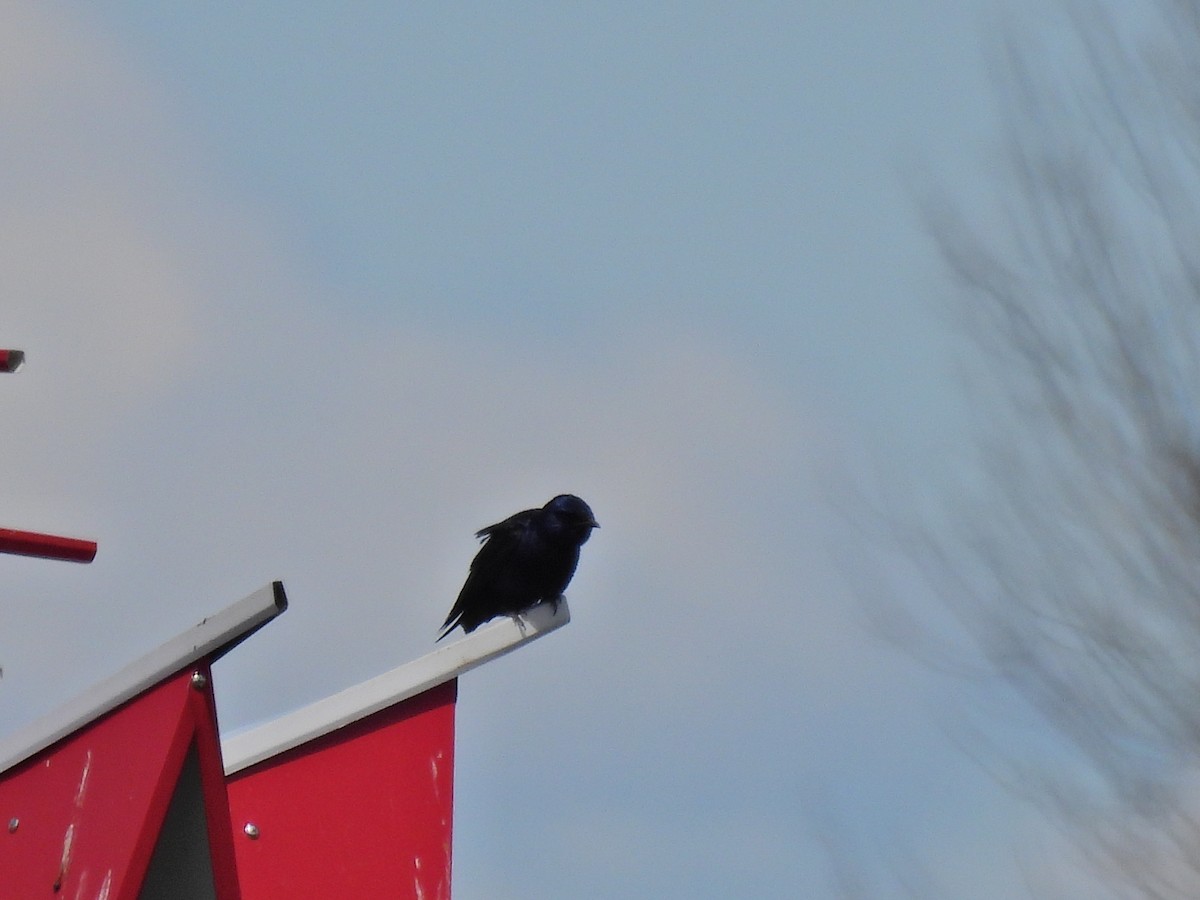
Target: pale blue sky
{"points": [[563, 176], [314, 293]]}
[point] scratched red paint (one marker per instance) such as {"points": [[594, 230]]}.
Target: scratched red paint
{"points": [[362, 812], [85, 813]]}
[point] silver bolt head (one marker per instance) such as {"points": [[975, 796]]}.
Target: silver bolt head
{"points": [[13, 824], [251, 831], [199, 681]]}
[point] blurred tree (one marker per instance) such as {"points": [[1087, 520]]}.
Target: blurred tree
{"points": [[1077, 572]]}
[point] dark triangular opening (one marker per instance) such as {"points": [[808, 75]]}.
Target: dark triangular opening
{"points": [[181, 866]]}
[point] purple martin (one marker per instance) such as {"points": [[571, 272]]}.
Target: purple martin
{"points": [[525, 560]]}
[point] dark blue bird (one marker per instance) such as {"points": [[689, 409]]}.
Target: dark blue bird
{"points": [[525, 560]]}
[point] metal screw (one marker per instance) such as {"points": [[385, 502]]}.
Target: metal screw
{"points": [[251, 831], [13, 824], [199, 681]]}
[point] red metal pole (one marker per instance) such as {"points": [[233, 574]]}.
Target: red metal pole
{"points": [[10, 360], [46, 546], [30, 543]]}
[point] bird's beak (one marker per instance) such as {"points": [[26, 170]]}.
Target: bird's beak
{"points": [[594, 524]]}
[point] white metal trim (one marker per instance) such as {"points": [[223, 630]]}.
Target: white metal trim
{"points": [[293, 729], [210, 636]]}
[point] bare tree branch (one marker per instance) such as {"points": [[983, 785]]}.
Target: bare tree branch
{"points": [[1076, 568]]}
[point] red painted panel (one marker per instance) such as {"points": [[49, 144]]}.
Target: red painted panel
{"points": [[81, 818], [47, 546], [362, 812], [212, 786], [89, 807]]}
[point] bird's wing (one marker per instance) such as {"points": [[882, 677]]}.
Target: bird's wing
{"points": [[502, 539], [500, 543]]}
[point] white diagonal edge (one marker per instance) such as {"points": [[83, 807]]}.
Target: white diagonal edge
{"points": [[210, 636], [246, 748]]}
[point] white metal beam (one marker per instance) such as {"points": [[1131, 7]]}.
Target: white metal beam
{"points": [[293, 729], [212, 636]]}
